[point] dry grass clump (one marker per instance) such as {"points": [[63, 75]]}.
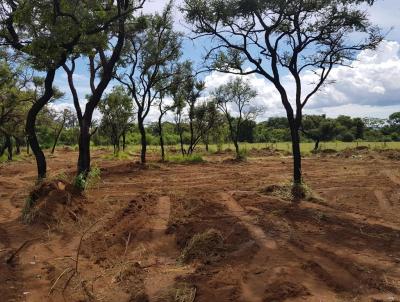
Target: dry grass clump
{"points": [[203, 246], [290, 192]]}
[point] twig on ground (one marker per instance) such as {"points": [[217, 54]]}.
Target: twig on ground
{"points": [[11, 258]]}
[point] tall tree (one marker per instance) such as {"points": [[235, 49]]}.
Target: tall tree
{"points": [[117, 111], [319, 128], [103, 54], [234, 101], [145, 56], [281, 37], [47, 32]]}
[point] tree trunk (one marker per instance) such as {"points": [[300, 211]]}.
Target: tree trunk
{"points": [[31, 122], [294, 131], [9, 147], [27, 146], [235, 143], [143, 141], [123, 141], [316, 146], [161, 138], [57, 136], [17, 146], [84, 148]]}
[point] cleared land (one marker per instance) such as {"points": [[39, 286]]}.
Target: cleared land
{"points": [[205, 231]]}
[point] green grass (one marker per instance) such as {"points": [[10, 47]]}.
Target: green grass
{"points": [[180, 159]]}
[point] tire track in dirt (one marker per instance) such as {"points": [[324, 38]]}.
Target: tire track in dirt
{"points": [[161, 275], [316, 272], [252, 285]]}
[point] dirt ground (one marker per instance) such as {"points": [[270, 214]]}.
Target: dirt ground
{"points": [[204, 232]]}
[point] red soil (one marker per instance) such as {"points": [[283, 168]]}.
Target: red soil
{"points": [[133, 226]]}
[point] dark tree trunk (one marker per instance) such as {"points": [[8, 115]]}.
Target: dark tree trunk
{"points": [[9, 147], [235, 143], [84, 147], [316, 146], [31, 122], [57, 136], [143, 141], [123, 141], [17, 146], [161, 138], [181, 142], [206, 145], [27, 146], [294, 131]]}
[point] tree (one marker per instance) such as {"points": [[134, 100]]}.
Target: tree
{"points": [[319, 128], [234, 101], [103, 53], [117, 111], [60, 119], [145, 56], [47, 32], [280, 37]]}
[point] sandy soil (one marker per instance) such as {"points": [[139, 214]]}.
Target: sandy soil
{"points": [[123, 240]]}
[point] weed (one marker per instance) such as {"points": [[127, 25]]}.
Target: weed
{"points": [[90, 181]]}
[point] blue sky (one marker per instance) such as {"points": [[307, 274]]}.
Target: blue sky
{"points": [[370, 88]]}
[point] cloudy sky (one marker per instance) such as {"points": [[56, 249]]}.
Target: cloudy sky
{"points": [[371, 87]]}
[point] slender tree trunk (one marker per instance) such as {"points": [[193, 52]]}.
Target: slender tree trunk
{"points": [[57, 136], [161, 138], [297, 178], [31, 122], [84, 148], [27, 146], [316, 146], [123, 141], [9, 147], [143, 141], [17, 146], [235, 143]]}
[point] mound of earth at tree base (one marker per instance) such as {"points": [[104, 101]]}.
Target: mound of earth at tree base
{"points": [[51, 201]]}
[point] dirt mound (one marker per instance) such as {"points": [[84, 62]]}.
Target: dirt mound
{"points": [[203, 246], [51, 201], [359, 151], [390, 154], [266, 152], [234, 160]]}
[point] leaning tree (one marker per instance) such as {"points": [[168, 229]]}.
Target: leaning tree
{"points": [[47, 32], [277, 39]]}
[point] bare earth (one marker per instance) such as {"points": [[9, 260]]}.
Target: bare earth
{"points": [[134, 225]]}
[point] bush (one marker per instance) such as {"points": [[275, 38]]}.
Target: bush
{"points": [[347, 137]]}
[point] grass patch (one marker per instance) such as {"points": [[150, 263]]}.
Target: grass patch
{"points": [[117, 156], [194, 158], [203, 246], [90, 181]]}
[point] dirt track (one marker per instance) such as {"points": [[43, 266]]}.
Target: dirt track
{"points": [[342, 246]]}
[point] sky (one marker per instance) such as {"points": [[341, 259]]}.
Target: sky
{"points": [[369, 88]]}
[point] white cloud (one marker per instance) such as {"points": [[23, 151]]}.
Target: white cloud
{"points": [[372, 83]]}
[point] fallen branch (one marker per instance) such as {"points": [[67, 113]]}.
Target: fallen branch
{"points": [[11, 258]]}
